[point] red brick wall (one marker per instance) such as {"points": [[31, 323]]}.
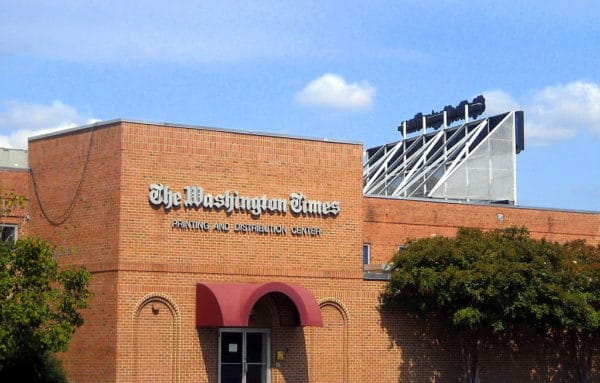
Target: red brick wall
{"points": [[255, 166], [77, 200], [155, 343], [156, 259], [76, 207], [421, 350], [92, 353], [329, 346], [15, 181], [140, 263], [391, 222]]}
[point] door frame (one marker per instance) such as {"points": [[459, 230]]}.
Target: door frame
{"points": [[244, 331]]}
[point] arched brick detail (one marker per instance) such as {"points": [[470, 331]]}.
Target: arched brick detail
{"points": [[157, 297], [156, 327], [325, 365], [337, 304]]}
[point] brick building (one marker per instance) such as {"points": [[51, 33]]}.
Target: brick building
{"points": [[220, 255]]}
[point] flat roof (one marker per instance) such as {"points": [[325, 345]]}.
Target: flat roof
{"points": [[184, 126], [479, 203]]}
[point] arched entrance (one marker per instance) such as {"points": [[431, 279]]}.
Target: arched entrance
{"points": [[257, 323], [231, 304]]}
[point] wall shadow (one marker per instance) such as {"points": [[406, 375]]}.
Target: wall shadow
{"points": [[293, 368], [428, 353], [431, 354], [279, 313], [208, 340]]}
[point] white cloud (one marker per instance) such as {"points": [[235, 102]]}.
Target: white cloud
{"points": [[190, 32], [554, 113], [332, 91], [18, 121], [498, 101]]}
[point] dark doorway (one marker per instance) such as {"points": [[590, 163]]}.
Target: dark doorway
{"points": [[244, 356]]}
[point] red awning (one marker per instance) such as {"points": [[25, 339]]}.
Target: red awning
{"points": [[229, 304]]}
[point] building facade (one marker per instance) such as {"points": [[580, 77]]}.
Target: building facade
{"points": [[224, 256]]}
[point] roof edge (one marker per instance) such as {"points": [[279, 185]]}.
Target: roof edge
{"points": [[185, 126], [473, 203]]}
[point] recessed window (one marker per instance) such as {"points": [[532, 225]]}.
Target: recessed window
{"points": [[9, 233], [366, 253], [400, 248]]}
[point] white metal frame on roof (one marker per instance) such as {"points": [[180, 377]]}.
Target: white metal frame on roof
{"points": [[420, 166]]}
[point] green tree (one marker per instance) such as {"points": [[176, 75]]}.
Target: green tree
{"points": [[486, 283], [40, 307], [581, 334], [9, 201]]}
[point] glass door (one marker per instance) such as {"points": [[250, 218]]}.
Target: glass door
{"points": [[244, 356], [230, 357]]}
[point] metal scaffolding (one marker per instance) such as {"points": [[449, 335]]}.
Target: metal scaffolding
{"points": [[475, 161]]}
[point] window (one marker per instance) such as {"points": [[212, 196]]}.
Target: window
{"points": [[373, 271], [400, 248], [9, 233], [366, 253]]}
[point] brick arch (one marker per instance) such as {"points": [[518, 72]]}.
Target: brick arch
{"points": [[327, 366], [337, 304], [157, 297], [156, 326]]}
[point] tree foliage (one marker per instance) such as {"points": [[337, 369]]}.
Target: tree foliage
{"points": [[40, 305], [488, 282], [9, 201], [581, 335]]}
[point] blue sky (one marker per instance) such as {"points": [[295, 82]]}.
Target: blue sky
{"points": [[350, 70]]}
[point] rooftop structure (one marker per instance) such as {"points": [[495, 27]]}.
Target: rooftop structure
{"points": [[474, 161], [13, 158]]}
